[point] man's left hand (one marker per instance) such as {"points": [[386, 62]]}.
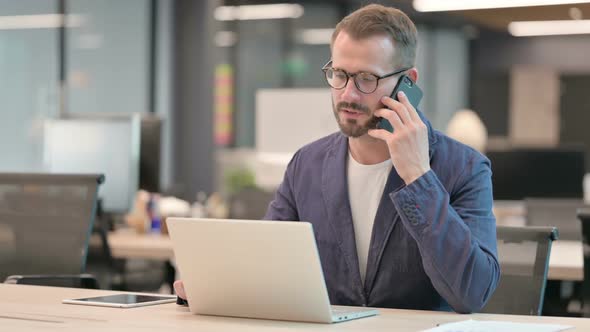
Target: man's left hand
{"points": [[408, 144]]}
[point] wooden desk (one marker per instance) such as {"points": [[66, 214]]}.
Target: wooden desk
{"points": [[36, 308], [566, 261], [127, 243]]}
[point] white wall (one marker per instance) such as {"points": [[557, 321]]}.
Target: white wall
{"points": [[286, 120]]}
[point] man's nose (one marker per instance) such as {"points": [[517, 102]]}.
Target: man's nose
{"points": [[350, 91]]}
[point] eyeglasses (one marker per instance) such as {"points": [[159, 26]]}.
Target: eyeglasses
{"points": [[365, 82]]}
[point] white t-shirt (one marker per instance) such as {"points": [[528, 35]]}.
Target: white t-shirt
{"points": [[365, 188]]}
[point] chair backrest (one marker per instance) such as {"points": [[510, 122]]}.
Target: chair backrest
{"points": [[45, 222], [87, 281], [584, 216], [249, 203], [523, 253], [556, 212]]}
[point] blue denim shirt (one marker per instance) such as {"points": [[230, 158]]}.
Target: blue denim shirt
{"points": [[433, 244]]}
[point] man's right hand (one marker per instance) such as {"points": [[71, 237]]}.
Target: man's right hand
{"points": [[179, 289]]}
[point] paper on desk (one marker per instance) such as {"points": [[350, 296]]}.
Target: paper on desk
{"points": [[497, 326]]}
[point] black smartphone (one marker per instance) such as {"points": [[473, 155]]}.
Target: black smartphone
{"points": [[412, 91]]}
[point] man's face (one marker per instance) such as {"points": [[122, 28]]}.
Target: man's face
{"points": [[352, 108]]}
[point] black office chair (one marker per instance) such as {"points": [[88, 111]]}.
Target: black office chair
{"points": [[584, 216], [84, 280], [523, 253], [138, 275], [249, 203], [45, 224]]}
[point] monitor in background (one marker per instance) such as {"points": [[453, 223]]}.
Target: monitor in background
{"points": [[537, 172], [150, 155], [105, 144]]}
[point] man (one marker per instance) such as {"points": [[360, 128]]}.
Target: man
{"points": [[402, 219]]}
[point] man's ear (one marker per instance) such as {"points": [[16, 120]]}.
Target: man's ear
{"points": [[413, 74]]}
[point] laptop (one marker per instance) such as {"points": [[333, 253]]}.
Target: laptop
{"points": [[254, 269]]}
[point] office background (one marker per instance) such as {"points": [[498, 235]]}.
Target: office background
{"points": [[186, 96], [201, 75]]}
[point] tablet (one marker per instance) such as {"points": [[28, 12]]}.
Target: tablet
{"points": [[123, 300]]}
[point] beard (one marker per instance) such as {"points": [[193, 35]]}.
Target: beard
{"points": [[352, 127]]}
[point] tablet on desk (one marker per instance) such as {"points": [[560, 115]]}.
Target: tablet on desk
{"points": [[123, 300]]}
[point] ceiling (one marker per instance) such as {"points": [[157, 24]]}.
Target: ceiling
{"points": [[499, 18], [496, 19]]}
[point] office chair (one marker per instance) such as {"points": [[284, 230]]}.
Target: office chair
{"points": [[560, 296], [45, 224], [84, 280], [249, 203], [523, 253], [584, 216]]}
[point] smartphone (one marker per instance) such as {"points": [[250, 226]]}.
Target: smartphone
{"points": [[412, 91]]}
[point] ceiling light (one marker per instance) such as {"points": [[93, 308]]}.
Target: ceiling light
{"points": [[548, 28], [42, 21], [258, 12], [448, 5]]}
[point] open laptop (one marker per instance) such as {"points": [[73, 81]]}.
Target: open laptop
{"points": [[254, 269]]}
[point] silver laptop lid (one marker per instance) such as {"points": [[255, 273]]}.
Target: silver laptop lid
{"points": [[250, 268]]}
